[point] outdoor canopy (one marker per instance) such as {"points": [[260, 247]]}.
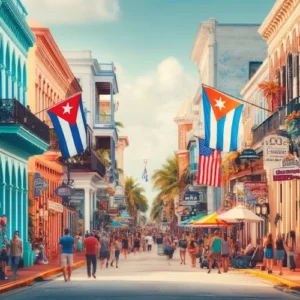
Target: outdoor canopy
{"points": [[187, 222], [239, 214], [115, 224], [210, 220]]}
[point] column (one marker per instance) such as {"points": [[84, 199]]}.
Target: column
{"points": [[112, 104], [8, 195], [87, 210], [8, 84], [14, 209], [2, 82]]}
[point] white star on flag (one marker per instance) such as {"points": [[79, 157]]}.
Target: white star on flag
{"points": [[67, 109], [220, 103]]}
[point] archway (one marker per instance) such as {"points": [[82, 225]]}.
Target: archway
{"points": [[7, 209]]}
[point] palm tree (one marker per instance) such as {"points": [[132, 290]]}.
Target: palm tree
{"points": [[134, 197], [167, 182], [119, 125], [157, 210]]}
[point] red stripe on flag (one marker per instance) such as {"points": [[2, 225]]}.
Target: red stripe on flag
{"points": [[209, 172]]}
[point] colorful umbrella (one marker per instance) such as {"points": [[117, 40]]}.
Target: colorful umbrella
{"points": [[187, 222], [116, 224], [210, 220]]}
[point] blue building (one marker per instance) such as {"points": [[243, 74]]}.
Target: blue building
{"points": [[22, 134]]}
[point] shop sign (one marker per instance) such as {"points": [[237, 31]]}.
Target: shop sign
{"points": [[39, 184], [256, 192], [192, 198], [238, 190], [63, 191], [283, 174], [113, 210], [276, 147], [249, 154], [77, 197], [55, 206], [290, 161]]}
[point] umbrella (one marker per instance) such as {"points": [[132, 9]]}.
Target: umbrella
{"points": [[187, 222], [210, 220], [115, 224], [239, 214]]}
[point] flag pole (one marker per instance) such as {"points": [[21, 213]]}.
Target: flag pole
{"points": [[260, 107], [58, 103]]}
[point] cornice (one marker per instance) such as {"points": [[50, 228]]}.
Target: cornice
{"points": [[277, 17], [16, 25]]}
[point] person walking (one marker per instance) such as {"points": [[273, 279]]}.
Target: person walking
{"points": [[104, 249], [279, 252], [149, 241], [4, 257], [92, 247], [225, 253], [118, 246], [182, 246], [215, 252], [125, 245], [67, 248], [192, 249], [15, 252], [136, 244], [269, 252], [112, 251]]}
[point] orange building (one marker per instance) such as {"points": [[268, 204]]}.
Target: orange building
{"points": [[50, 81]]}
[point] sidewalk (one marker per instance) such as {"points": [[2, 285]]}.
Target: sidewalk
{"points": [[289, 279], [28, 275]]}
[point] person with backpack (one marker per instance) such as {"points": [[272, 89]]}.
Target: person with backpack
{"points": [[182, 246]]}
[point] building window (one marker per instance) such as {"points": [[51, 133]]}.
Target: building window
{"points": [[253, 67]]}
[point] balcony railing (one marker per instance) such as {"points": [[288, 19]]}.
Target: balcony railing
{"points": [[293, 105], [13, 112], [107, 67], [53, 144], [103, 119], [270, 125], [88, 161]]}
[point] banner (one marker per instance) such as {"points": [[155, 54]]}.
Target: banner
{"points": [[238, 190], [256, 192], [39, 184], [192, 198]]}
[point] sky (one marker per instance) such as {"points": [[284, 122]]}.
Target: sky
{"points": [[150, 42]]}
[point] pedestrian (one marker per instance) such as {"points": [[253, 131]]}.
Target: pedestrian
{"points": [[225, 253], [16, 253], [136, 244], [192, 249], [112, 251], [269, 252], [4, 257], [149, 241], [279, 252], [182, 246], [92, 247], [215, 252], [68, 248], [79, 243], [125, 245], [290, 247], [104, 249], [86, 234], [118, 246]]}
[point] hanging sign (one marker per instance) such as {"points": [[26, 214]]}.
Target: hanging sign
{"points": [[63, 191], [77, 197], [39, 184], [248, 154], [283, 174], [191, 198], [55, 206], [276, 147], [290, 161]]}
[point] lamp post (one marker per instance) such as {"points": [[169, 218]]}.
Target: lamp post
{"points": [[263, 210]]}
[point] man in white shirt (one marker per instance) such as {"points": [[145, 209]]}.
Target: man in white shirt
{"points": [[149, 241]]}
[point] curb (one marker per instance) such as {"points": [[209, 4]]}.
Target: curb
{"points": [[288, 283], [28, 281]]}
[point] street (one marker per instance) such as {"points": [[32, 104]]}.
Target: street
{"points": [[149, 276]]}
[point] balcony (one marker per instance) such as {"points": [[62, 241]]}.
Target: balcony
{"points": [[270, 125], [293, 105], [105, 119], [87, 162], [106, 79]]}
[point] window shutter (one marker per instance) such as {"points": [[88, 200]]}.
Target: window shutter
{"points": [[290, 78], [283, 83]]}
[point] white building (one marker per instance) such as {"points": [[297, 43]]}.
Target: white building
{"points": [[226, 56], [99, 85]]}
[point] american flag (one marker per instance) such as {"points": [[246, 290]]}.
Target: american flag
{"points": [[209, 167]]}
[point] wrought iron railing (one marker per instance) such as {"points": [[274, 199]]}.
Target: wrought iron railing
{"points": [[270, 125], [103, 119], [87, 161], [293, 105], [13, 112]]}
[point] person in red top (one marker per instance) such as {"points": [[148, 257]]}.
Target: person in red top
{"points": [[92, 247]]}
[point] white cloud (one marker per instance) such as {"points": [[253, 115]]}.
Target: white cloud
{"points": [[148, 105], [72, 12]]}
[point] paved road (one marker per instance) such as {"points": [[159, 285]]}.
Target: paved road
{"points": [[149, 276]]}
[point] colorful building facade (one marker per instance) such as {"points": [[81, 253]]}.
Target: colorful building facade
{"points": [[50, 81], [22, 134]]}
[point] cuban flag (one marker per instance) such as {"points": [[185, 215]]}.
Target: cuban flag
{"points": [[222, 115], [69, 123]]}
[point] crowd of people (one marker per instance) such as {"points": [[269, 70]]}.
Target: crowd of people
{"points": [[105, 246]]}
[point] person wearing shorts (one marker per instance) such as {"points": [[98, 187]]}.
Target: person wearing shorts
{"points": [[104, 249], [117, 246], [216, 250], [67, 246]]}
